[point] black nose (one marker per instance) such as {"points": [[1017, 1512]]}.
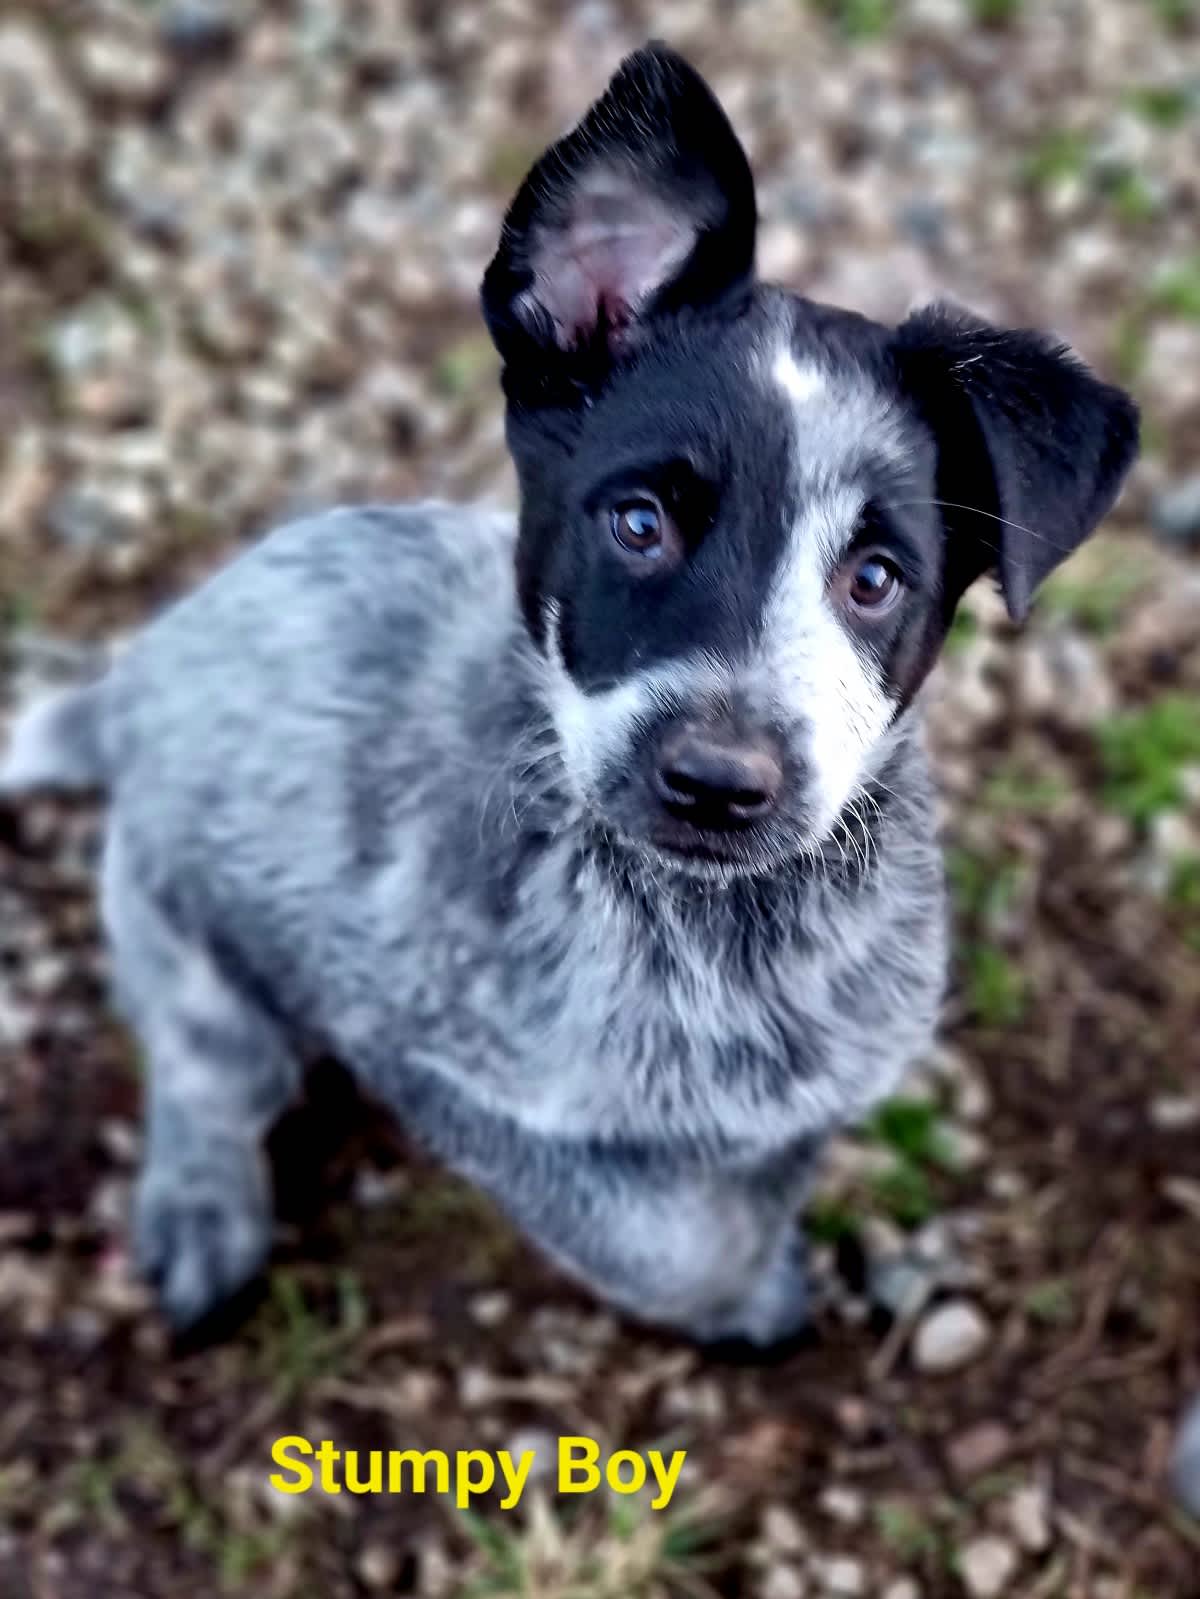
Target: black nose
{"points": [[717, 781]]}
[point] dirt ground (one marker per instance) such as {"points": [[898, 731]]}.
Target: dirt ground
{"points": [[238, 254]]}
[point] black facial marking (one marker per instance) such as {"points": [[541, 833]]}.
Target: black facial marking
{"points": [[640, 364]]}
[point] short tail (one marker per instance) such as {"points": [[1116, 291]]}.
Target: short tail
{"points": [[57, 743]]}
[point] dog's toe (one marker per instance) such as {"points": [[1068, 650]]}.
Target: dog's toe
{"points": [[198, 1250]]}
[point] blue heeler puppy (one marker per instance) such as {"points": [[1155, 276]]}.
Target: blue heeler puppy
{"points": [[599, 846]]}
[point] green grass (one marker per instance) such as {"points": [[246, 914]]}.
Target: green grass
{"points": [[1162, 105], [300, 1344], [996, 13], [984, 888], [1176, 14], [1183, 895], [17, 612], [1130, 196], [996, 987], [1144, 752], [1015, 790], [145, 1470], [912, 1130], [829, 1221], [860, 19], [905, 1193], [465, 365], [1130, 346], [1176, 290], [908, 1532], [620, 1550], [1051, 1302], [1056, 156], [963, 629], [1100, 603]]}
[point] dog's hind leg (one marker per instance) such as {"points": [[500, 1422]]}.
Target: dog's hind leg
{"points": [[219, 1074]]}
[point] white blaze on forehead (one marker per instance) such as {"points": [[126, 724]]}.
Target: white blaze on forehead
{"points": [[801, 383], [812, 668], [837, 415]]}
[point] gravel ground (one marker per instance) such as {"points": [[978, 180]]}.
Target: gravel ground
{"points": [[239, 247]]}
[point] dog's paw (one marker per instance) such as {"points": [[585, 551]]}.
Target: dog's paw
{"points": [[774, 1312], [199, 1244]]}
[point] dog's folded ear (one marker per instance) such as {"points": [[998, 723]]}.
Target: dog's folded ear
{"points": [[646, 206], [1032, 446]]}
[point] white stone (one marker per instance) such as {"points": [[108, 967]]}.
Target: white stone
{"points": [[1175, 1112], [843, 1504], [987, 1567], [950, 1337], [783, 1582], [1029, 1518], [902, 1588], [490, 1309], [842, 1576], [783, 1531]]}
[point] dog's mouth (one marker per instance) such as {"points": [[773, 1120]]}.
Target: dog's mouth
{"points": [[715, 858]]}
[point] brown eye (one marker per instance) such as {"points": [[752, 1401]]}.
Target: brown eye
{"points": [[874, 584], [640, 526]]}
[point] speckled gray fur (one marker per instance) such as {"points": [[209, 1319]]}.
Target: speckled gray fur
{"points": [[339, 822], [600, 846]]}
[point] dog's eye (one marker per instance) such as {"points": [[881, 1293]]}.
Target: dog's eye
{"points": [[874, 584], [638, 526]]}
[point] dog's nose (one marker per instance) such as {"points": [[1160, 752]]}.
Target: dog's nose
{"points": [[716, 781]]}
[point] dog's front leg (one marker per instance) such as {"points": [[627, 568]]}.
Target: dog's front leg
{"points": [[716, 1256], [219, 1073]]}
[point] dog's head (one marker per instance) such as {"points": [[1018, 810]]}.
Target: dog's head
{"points": [[746, 518]]}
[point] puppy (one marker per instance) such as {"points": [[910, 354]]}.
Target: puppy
{"points": [[599, 846]]}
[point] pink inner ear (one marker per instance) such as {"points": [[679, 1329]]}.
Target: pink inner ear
{"points": [[620, 244]]}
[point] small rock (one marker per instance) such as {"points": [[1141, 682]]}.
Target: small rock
{"points": [[378, 1566], [1175, 512], [199, 30], [121, 69], [842, 1576], [43, 119], [80, 520], [489, 1310], [783, 1582], [1185, 1462], [987, 1566], [902, 1588], [17, 1022], [979, 1449], [1172, 1113], [950, 1337], [477, 1387], [854, 1416], [923, 220], [539, 1443], [963, 1149], [843, 1504], [120, 1141], [109, 1205], [901, 1287], [1029, 1518], [782, 1531], [882, 1239]]}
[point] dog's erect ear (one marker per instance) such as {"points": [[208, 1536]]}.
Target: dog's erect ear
{"points": [[1026, 435], [646, 206]]}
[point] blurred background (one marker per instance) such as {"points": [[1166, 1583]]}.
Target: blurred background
{"points": [[239, 250]]}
